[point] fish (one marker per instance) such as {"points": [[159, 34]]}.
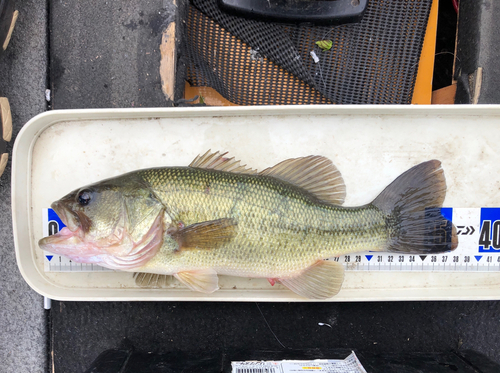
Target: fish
{"points": [[218, 217]]}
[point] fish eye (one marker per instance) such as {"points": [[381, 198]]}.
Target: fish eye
{"points": [[84, 197]]}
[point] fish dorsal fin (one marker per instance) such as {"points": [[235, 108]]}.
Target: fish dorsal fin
{"points": [[322, 280], [314, 173], [203, 280], [205, 235], [218, 161]]}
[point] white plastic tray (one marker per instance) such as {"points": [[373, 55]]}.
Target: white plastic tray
{"points": [[59, 151]]}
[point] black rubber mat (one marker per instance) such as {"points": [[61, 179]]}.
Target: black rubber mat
{"points": [[374, 61], [82, 331], [129, 360]]}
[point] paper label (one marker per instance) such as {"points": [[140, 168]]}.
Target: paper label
{"points": [[350, 364]]}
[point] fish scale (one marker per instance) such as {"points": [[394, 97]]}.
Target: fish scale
{"points": [[281, 229]]}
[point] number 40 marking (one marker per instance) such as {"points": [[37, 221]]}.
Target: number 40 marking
{"points": [[490, 235]]}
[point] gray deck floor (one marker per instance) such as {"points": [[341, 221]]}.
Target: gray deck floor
{"points": [[78, 332], [23, 76]]}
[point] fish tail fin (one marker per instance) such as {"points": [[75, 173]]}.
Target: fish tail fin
{"points": [[412, 205]]}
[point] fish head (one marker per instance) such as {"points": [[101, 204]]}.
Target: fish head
{"points": [[117, 223]]}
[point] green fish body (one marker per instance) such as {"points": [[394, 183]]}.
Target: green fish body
{"points": [[216, 217]]}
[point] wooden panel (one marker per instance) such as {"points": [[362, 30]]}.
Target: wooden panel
{"points": [[444, 96]]}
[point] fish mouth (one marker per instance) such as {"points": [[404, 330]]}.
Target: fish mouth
{"points": [[63, 238], [68, 238], [65, 242]]}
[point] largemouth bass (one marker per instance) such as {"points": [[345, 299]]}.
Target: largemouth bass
{"points": [[217, 217]]}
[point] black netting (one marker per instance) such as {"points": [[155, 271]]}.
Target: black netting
{"points": [[249, 62]]}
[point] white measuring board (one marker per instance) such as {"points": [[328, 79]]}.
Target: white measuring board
{"points": [[478, 249]]}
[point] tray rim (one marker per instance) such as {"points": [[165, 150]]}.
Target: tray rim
{"points": [[20, 185]]}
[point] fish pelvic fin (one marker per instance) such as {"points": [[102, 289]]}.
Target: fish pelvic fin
{"points": [[315, 174], [202, 280], [322, 280], [412, 205]]}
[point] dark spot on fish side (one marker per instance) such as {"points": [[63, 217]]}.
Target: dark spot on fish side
{"points": [[207, 189]]}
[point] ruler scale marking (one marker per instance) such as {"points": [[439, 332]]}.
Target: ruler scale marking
{"points": [[479, 242]]}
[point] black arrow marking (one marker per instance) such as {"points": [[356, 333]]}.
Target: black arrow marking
{"points": [[468, 231], [423, 257]]}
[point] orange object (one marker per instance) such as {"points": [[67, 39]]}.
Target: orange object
{"points": [[208, 95], [444, 96], [422, 92]]}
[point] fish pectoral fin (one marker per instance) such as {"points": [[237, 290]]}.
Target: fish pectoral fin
{"points": [[218, 161], [322, 280], [206, 235], [315, 174], [203, 280]]}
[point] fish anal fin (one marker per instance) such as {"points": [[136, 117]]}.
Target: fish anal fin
{"points": [[322, 280], [315, 174], [202, 280], [218, 161], [205, 235], [150, 280]]}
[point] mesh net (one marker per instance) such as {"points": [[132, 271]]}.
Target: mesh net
{"points": [[250, 62]]}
